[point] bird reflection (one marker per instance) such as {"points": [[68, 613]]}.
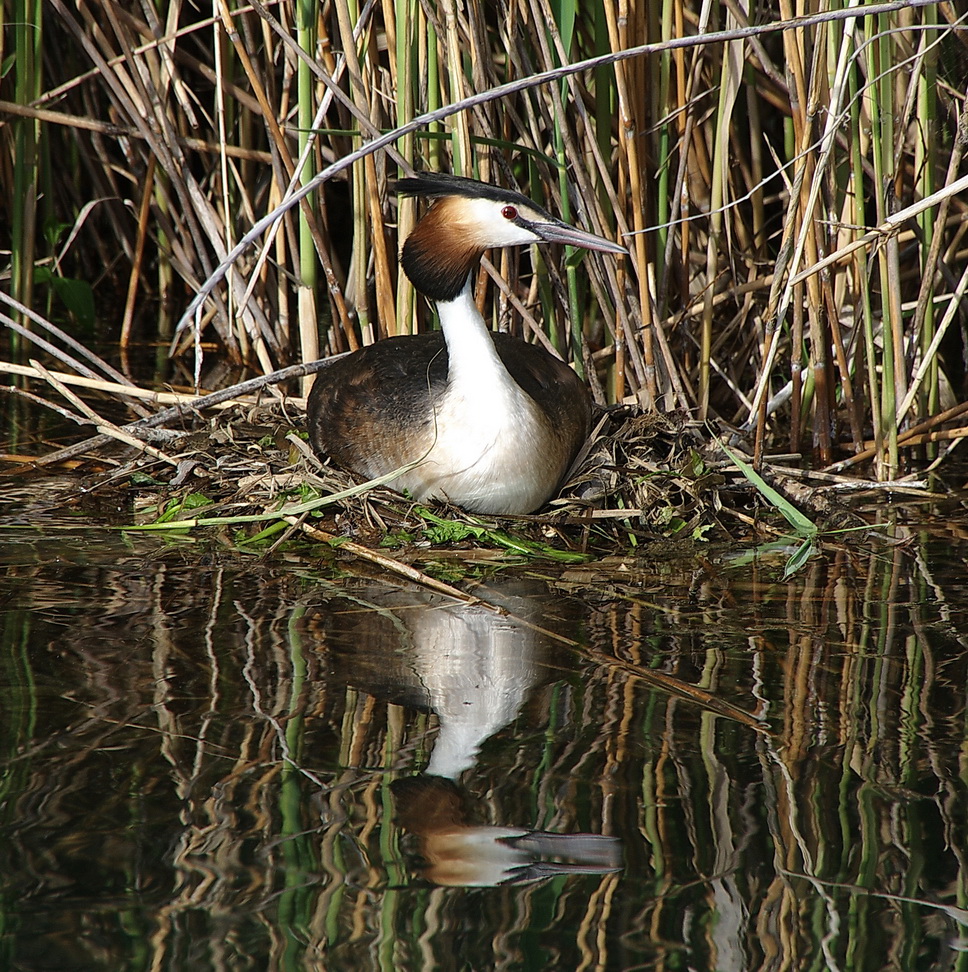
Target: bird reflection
{"points": [[455, 852], [471, 665], [474, 667]]}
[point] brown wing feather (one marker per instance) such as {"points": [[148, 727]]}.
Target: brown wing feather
{"points": [[371, 411]]}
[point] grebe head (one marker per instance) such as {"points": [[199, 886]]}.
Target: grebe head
{"points": [[469, 217]]}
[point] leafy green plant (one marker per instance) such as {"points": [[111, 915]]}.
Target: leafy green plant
{"points": [[804, 529], [76, 295], [454, 530]]}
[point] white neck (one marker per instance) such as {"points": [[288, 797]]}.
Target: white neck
{"points": [[475, 366]]}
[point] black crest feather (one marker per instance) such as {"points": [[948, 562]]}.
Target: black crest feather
{"points": [[436, 184]]}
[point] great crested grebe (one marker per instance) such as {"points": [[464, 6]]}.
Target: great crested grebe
{"points": [[492, 423]]}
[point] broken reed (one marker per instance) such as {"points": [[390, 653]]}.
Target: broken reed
{"points": [[729, 167]]}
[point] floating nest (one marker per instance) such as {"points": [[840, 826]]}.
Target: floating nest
{"points": [[645, 481], [643, 475]]}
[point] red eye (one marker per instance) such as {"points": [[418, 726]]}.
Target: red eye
{"points": [[509, 212]]}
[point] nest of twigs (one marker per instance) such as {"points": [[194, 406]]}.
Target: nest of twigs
{"points": [[248, 468], [643, 476]]}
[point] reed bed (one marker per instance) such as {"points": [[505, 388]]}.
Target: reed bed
{"points": [[788, 182]]}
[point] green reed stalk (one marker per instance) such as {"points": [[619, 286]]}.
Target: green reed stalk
{"points": [[926, 162], [856, 216], [880, 101], [431, 68], [728, 88], [460, 140], [603, 88], [306, 285], [813, 245], [835, 172], [27, 27], [347, 15]]}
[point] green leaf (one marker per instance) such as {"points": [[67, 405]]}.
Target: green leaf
{"points": [[76, 295], [262, 535], [699, 533], [78, 298], [447, 531], [805, 551], [175, 508], [400, 538], [803, 525]]}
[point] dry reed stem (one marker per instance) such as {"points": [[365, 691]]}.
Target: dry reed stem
{"points": [[685, 325]]}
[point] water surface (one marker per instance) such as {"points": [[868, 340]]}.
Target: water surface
{"points": [[214, 762]]}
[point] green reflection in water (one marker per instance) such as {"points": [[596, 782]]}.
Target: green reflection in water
{"points": [[300, 860], [18, 717], [151, 819]]}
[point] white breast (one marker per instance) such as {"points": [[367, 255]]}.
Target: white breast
{"points": [[487, 459]]}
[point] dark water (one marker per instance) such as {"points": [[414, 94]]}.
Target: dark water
{"points": [[304, 765]]}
